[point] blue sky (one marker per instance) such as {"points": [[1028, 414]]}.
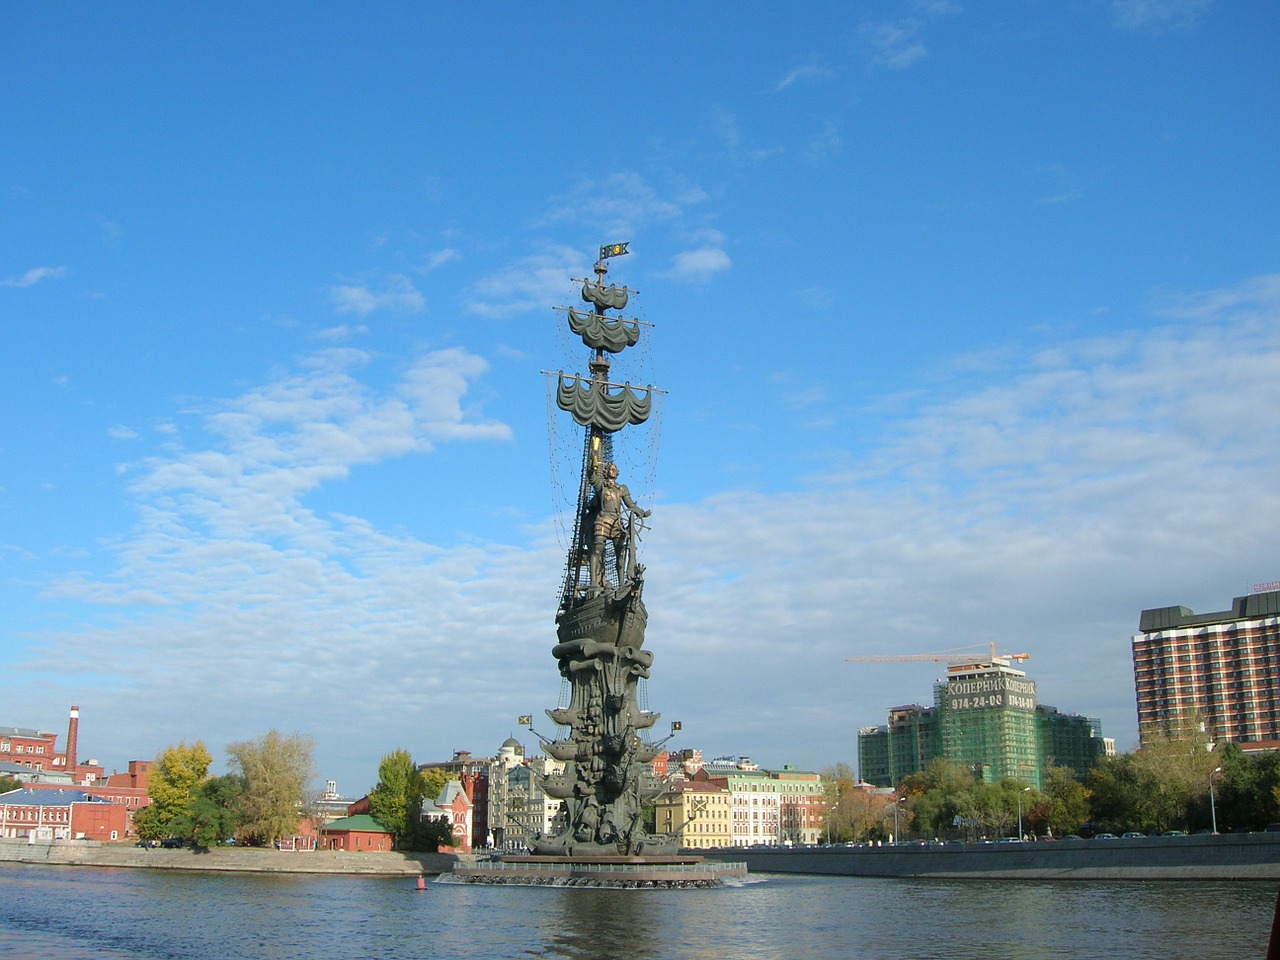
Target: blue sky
{"points": [[969, 317]]}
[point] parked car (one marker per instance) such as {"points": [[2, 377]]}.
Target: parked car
{"points": [[1174, 833], [1104, 836], [1072, 836], [1133, 835]]}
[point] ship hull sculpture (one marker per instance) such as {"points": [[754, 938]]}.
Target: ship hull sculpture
{"points": [[606, 780]]}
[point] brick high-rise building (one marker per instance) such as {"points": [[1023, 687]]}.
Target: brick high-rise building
{"points": [[1222, 669]]}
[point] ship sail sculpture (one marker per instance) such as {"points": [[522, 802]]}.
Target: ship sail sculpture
{"points": [[601, 620]]}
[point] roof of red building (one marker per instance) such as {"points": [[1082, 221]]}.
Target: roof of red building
{"points": [[58, 797], [697, 786], [360, 823]]}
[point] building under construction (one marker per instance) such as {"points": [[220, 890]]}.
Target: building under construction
{"points": [[985, 717]]}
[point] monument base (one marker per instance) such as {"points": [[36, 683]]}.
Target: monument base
{"points": [[627, 872]]}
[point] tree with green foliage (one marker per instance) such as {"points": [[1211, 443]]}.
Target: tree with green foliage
{"points": [[215, 814], [938, 795], [8, 783], [433, 782], [1064, 803], [946, 799], [434, 834], [276, 770], [1113, 793], [1004, 799], [850, 814], [396, 801], [1157, 788], [858, 815], [1246, 788], [176, 776]]}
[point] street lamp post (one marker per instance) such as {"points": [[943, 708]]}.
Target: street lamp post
{"points": [[1213, 809], [1024, 790], [897, 801]]}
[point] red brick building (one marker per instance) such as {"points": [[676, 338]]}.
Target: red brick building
{"points": [[128, 790], [357, 834], [455, 807], [473, 775], [33, 758], [28, 748], [60, 814], [38, 752]]}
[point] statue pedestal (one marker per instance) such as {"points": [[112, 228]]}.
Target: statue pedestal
{"points": [[619, 871]]}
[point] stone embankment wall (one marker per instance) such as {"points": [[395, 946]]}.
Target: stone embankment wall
{"points": [[245, 859], [1249, 856]]}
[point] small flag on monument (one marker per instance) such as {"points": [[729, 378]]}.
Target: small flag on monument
{"points": [[525, 719]]}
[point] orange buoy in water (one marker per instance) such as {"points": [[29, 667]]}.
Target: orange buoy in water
{"points": [[422, 883]]}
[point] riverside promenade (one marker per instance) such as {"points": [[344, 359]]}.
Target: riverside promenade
{"points": [[85, 853], [1244, 856]]}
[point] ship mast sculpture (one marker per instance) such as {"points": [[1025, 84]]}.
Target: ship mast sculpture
{"points": [[601, 619]]}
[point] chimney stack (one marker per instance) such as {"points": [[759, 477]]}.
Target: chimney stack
{"points": [[73, 730]]}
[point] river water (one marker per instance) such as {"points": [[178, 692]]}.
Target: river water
{"points": [[83, 913]]}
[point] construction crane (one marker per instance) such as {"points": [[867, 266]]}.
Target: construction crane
{"points": [[956, 653]]}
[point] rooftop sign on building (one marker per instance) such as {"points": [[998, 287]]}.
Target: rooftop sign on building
{"points": [[990, 692]]}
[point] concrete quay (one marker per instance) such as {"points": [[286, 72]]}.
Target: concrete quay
{"points": [[621, 871], [84, 853], [1246, 856]]}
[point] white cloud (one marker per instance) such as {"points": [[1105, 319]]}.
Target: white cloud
{"points": [[725, 126], [1158, 15], [810, 72], [898, 44], [342, 331], [698, 265], [1039, 505], [439, 258], [120, 432], [621, 204], [274, 444], [398, 294], [894, 44], [826, 144], [239, 608], [1042, 510], [529, 283], [34, 276], [1061, 185]]}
